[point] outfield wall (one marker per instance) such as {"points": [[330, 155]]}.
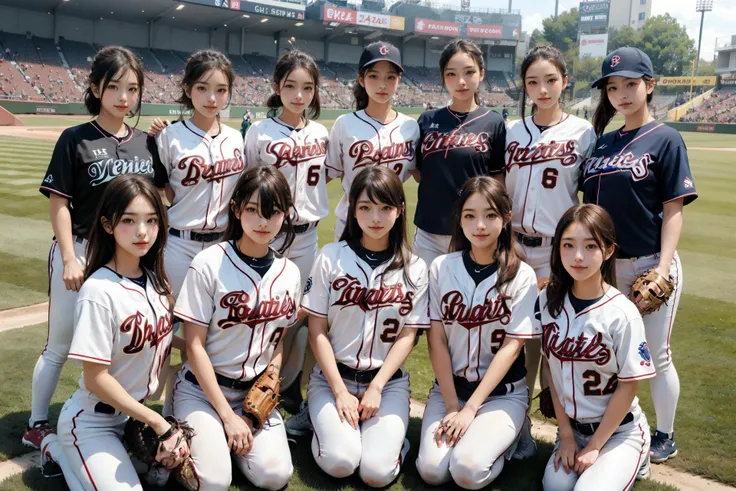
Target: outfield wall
{"points": [[729, 129]]}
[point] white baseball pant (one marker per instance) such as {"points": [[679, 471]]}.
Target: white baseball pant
{"points": [[374, 449], [619, 461], [268, 464], [665, 385], [478, 458], [178, 255], [430, 246], [51, 450], [340, 225], [60, 332]]}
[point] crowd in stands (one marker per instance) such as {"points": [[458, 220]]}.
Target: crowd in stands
{"points": [[720, 107]]}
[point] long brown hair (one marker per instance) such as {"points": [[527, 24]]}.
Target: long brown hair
{"points": [[600, 224], [508, 253], [605, 112], [381, 185], [462, 46], [273, 194], [287, 63], [119, 193]]}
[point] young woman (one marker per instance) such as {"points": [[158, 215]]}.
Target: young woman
{"points": [[596, 353], [481, 302], [543, 156], [237, 300], [86, 158], [640, 174], [366, 298], [295, 145], [460, 141], [122, 336], [374, 134]]}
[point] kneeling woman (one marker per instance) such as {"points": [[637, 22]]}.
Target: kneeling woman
{"points": [[122, 336], [596, 352], [237, 300], [481, 304], [366, 298]]}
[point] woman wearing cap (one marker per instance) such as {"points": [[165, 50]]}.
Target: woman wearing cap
{"points": [[641, 175]]}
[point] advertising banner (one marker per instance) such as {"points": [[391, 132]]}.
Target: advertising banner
{"points": [[595, 45], [485, 31], [273, 8], [593, 15], [381, 21], [439, 27], [696, 81]]}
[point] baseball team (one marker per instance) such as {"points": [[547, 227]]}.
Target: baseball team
{"points": [[198, 238]]}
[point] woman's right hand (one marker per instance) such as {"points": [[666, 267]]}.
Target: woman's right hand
{"points": [[566, 453], [73, 275], [347, 408], [239, 434], [157, 125]]}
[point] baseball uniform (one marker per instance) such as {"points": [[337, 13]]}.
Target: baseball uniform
{"points": [[366, 309], [357, 141], [632, 174], [85, 159], [202, 170], [590, 346], [453, 148], [476, 320], [245, 304], [124, 324]]}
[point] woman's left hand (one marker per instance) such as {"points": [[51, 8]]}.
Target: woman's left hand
{"points": [[585, 458], [369, 403], [455, 427]]}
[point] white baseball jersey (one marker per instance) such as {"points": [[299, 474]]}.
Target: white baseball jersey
{"points": [[589, 352], [357, 141], [120, 324], [365, 310], [246, 314], [300, 156], [475, 319], [202, 171], [543, 171]]}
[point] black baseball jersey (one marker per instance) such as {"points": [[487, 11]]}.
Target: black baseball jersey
{"points": [[453, 148], [86, 158], [632, 175]]}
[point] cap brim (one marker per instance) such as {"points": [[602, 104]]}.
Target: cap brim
{"points": [[373, 62], [622, 73]]}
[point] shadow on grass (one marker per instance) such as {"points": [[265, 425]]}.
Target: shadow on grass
{"points": [[12, 427]]}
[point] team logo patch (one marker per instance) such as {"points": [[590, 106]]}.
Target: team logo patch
{"points": [[308, 285], [383, 50], [615, 61], [49, 179], [646, 356], [434, 126], [688, 183]]}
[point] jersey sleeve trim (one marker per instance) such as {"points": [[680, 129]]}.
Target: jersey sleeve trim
{"points": [[417, 324], [54, 191], [638, 377], [686, 195], [318, 314], [191, 319], [79, 356], [523, 336]]}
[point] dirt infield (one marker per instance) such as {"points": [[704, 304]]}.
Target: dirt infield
{"points": [[38, 132]]}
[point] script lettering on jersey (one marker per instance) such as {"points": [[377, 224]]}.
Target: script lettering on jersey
{"points": [[353, 293], [638, 166], [286, 153], [239, 310], [142, 331], [366, 154], [581, 348], [543, 152], [493, 309], [436, 141], [106, 170], [197, 168]]}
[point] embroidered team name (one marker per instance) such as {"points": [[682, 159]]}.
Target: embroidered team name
{"points": [[436, 141], [142, 331], [353, 293], [365, 153], [107, 170], [266, 310], [295, 154], [492, 310], [638, 166], [543, 152], [581, 348], [197, 168]]}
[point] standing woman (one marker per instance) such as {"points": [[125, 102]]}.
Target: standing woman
{"points": [[544, 153], [640, 174], [460, 141], [86, 158], [366, 298], [375, 134]]}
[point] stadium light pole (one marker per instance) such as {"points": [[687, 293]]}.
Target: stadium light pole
{"points": [[557, 7], [701, 6]]}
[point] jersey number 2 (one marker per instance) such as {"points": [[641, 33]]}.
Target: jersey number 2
{"points": [[549, 177], [592, 386], [391, 332], [313, 175]]}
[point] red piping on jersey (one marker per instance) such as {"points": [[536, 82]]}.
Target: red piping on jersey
{"points": [[638, 377], [51, 275], [480, 342], [362, 337], [132, 290], [79, 451], [270, 295], [674, 303], [55, 191], [572, 367], [590, 309], [320, 314], [373, 339], [465, 372], [191, 319], [526, 195], [679, 197], [89, 358], [638, 462]]}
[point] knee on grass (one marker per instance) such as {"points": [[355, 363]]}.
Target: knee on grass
{"points": [[378, 472], [433, 473], [274, 476], [340, 464]]}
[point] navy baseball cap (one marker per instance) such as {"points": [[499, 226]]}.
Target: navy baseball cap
{"points": [[380, 51], [625, 62]]}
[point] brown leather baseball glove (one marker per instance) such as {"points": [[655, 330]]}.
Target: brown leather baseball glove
{"points": [[645, 298], [546, 407], [263, 397]]}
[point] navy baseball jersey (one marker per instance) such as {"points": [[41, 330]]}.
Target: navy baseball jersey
{"points": [[86, 158], [453, 148], [632, 174]]}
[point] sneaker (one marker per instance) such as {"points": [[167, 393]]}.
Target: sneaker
{"points": [[299, 424], [34, 436], [404, 450], [663, 447], [49, 467], [645, 470], [527, 445]]}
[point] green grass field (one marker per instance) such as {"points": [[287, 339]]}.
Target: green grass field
{"points": [[703, 341]]}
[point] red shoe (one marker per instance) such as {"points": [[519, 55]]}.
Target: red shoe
{"points": [[34, 436]]}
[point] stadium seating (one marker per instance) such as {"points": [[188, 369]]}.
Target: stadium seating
{"points": [[720, 107]]}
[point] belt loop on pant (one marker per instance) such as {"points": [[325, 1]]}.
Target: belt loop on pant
{"points": [[363, 376], [533, 240], [300, 229]]}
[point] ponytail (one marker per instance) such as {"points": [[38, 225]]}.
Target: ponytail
{"points": [[359, 93]]}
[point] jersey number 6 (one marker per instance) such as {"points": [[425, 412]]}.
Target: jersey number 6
{"points": [[313, 175], [549, 177]]}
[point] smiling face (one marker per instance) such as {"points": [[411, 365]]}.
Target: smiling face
{"points": [[581, 255], [210, 93], [296, 91], [380, 81], [480, 222], [173, 452], [137, 229], [375, 219], [121, 94], [257, 228], [628, 95], [544, 83], [462, 76]]}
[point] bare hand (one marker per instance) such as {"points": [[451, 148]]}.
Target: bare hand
{"points": [[239, 434], [565, 454], [370, 403], [73, 275], [455, 425], [347, 408], [157, 125], [585, 459]]}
